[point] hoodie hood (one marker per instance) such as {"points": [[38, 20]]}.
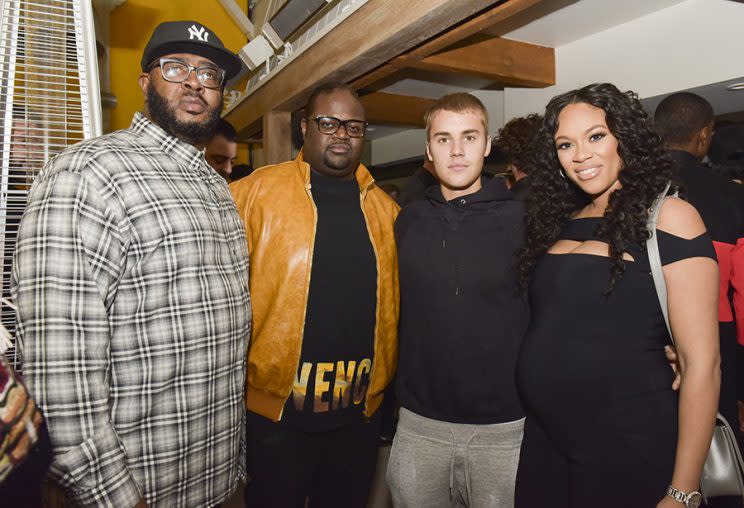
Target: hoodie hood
{"points": [[493, 189]]}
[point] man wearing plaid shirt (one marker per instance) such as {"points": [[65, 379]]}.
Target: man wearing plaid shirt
{"points": [[131, 280]]}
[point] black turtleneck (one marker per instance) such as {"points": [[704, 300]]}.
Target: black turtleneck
{"points": [[461, 322], [338, 343]]}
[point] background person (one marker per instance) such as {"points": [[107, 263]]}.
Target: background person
{"points": [[221, 151], [417, 184], [516, 141], [727, 145], [25, 450], [391, 190], [240, 171], [727, 155]]}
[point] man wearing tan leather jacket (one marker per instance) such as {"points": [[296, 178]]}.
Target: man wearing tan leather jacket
{"points": [[324, 290]]}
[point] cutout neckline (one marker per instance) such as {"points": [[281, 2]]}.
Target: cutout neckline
{"points": [[629, 259]]}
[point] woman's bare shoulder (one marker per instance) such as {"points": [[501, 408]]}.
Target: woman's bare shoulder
{"points": [[680, 218]]}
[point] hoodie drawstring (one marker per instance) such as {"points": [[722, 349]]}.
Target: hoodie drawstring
{"points": [[467, 465], [452, 465]]}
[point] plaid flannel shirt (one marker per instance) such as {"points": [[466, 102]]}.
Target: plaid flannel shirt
{"points": [[131, 279]]}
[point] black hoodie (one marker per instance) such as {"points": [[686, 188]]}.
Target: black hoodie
{"points": [[461, 321]]}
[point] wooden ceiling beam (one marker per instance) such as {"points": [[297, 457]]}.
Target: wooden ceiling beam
{"points": [[501, 12], [392, 109], [505, 61], [363, 41], [376, 79], [277, 146]]}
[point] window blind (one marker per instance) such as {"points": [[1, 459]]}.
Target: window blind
{"points": [[49, 99]]}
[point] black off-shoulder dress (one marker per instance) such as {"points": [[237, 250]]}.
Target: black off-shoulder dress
{"points": [[601, 424]]}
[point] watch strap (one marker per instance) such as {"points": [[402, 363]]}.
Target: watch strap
{"points": [[680, 496]]}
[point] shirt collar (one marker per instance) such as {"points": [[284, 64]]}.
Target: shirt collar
{"points": [[182, 152]]}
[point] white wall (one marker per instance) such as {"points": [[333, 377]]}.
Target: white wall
{"points": [[494, 102], [684, 46], [395, 147]]}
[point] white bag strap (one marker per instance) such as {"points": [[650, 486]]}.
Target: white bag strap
{"points": [[654, 258]]}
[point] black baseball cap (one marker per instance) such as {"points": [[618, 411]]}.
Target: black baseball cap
{"points": [[189, 37]]}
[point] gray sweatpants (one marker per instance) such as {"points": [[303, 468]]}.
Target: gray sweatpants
{"points": [[438, 464]]}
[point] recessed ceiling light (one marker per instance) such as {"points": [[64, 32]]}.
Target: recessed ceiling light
{"points": [[736, 86]]}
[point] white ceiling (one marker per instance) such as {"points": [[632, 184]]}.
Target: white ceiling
{"points": [[556, 23], [560, 22], [552, 24], [433, 90], [577, 19], [724, 101]]}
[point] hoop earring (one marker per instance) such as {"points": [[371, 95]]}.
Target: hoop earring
{"points": [[560, 172]]}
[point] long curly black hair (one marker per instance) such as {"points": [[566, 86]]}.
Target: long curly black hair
{"points": [[553, 199]]}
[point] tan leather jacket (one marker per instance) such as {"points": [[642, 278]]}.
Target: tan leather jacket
{"points": [[276, 205]]}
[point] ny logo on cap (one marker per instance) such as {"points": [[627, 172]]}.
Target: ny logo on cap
{"points": [[198, 33]]}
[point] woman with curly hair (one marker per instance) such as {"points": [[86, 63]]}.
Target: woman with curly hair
{"points": [[604, 427]]}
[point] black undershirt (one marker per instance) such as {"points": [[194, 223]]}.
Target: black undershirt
{"points": [[337, 349]]}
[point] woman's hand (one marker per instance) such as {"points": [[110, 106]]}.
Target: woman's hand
{"points": [[671, 356]]}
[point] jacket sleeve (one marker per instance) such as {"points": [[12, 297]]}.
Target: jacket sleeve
{"points": [[67, 265]]}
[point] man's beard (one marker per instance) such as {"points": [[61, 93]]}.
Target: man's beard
{"points": [[164, 115]]}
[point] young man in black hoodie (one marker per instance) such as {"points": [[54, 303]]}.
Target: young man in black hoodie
{"points": [[461, 324]]}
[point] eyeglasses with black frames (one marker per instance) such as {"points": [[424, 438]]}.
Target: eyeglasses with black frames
{"points": [[178, 71], [330, 124]]}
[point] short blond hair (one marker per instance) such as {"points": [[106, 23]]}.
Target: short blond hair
{"points": [[457, 103]]}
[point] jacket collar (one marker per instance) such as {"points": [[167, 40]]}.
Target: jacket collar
{"points": [[682, 157], [688, 166], [363, 176]]}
